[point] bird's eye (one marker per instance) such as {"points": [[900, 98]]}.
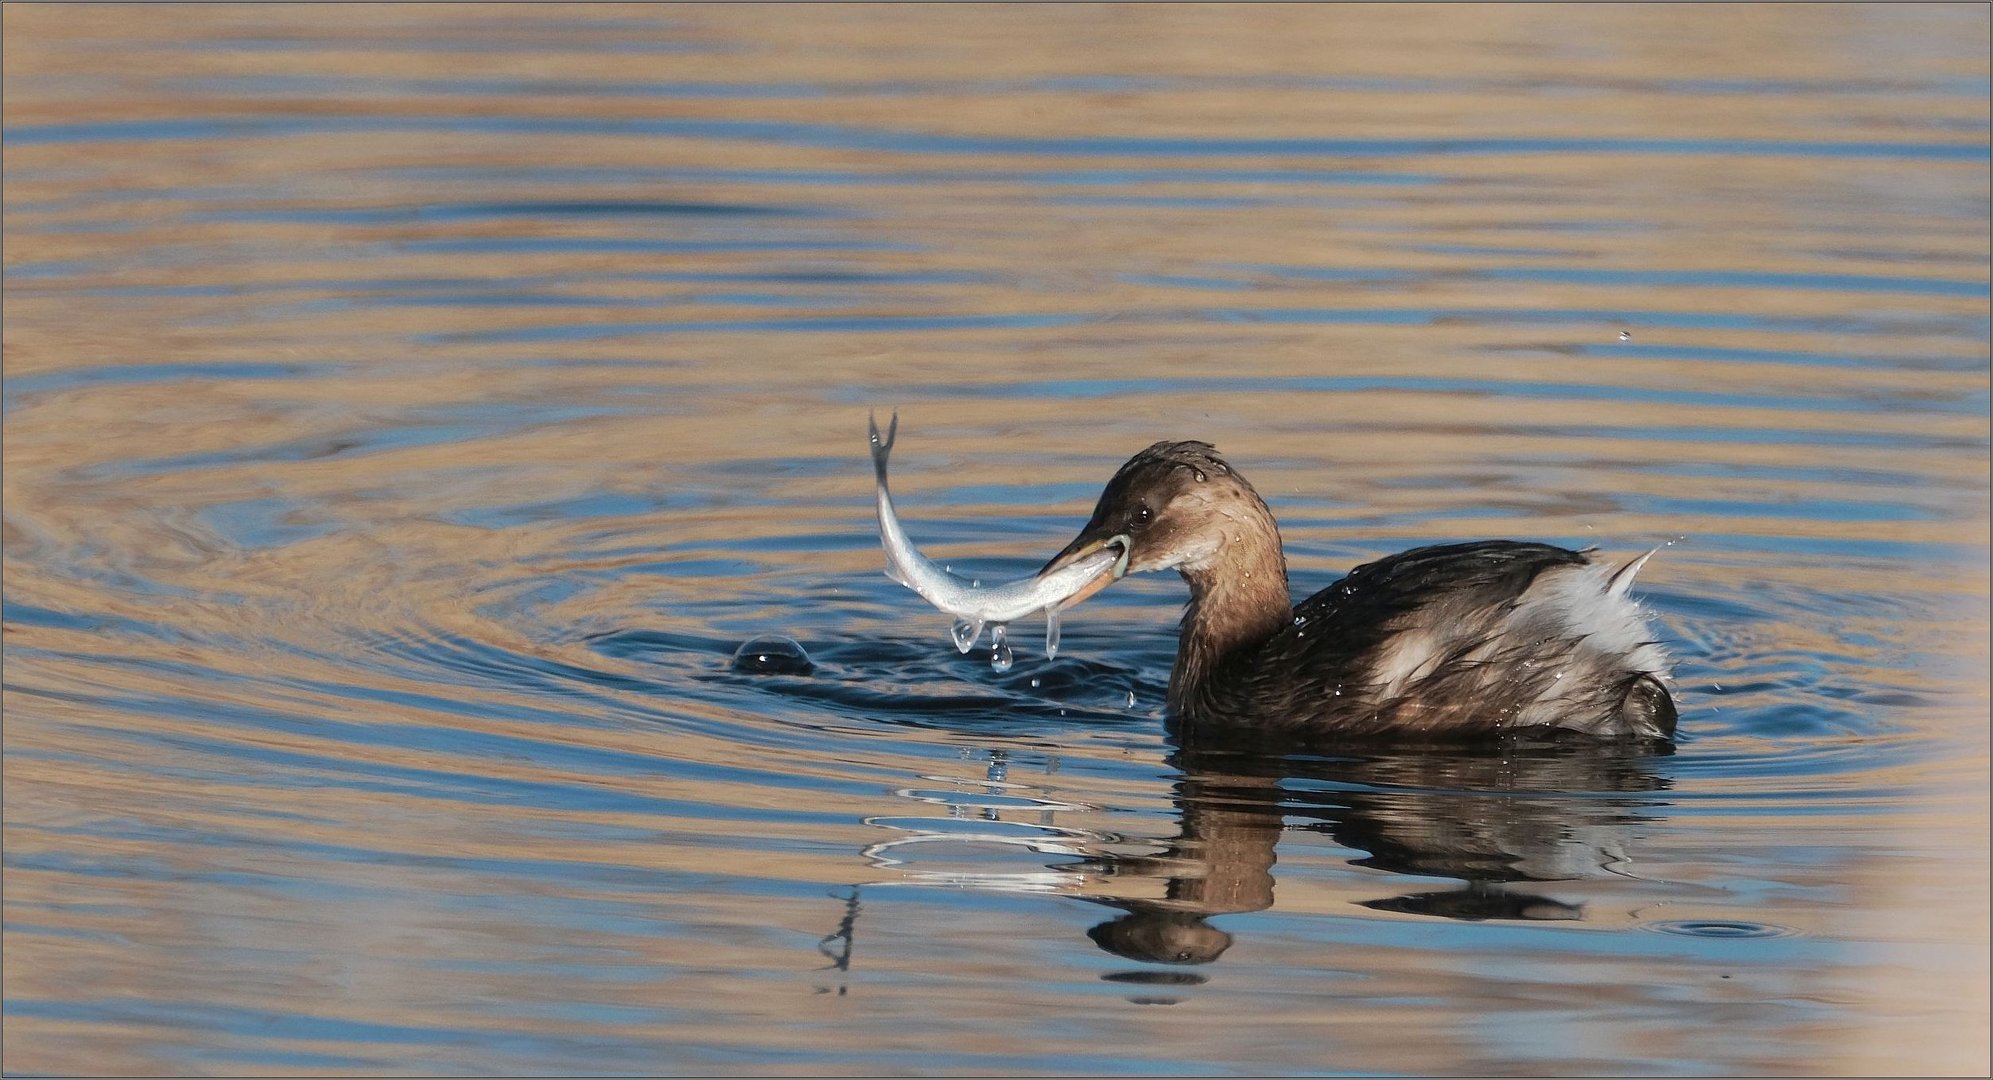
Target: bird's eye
{"points": [[1143, 515]]}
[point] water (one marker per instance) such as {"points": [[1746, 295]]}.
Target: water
{"points": [[1000, 656], [411, 412]]}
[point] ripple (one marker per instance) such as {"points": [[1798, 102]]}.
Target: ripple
{"points": [[1717, 928], [443, 621], [833, 136]]}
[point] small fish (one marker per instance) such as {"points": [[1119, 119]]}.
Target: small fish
{"points": [[974, 605]]}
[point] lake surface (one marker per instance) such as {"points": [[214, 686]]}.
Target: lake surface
{"points": [[411, 410]]}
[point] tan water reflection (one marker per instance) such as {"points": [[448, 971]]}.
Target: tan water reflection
{"points": [[330, 461]]}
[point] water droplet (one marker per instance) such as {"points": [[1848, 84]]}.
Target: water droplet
{"points": [[966, 631], [1300, 620], [1200, 475], [975, 583], [1052, 632], [1625, 336], [1035, 681], [1131, 699], [999, 650], [772, 654]]}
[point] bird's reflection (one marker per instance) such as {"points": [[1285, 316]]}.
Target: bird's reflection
{"points": [[1495, 817]]}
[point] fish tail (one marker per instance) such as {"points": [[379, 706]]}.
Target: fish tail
{"points": [[881, 448]]}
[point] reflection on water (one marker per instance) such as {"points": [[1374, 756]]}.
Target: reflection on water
{"points": [[444, 628], [1487, 817], [1500, 824]]}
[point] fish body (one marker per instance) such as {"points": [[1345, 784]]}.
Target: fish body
{"points": [[971, 604]]}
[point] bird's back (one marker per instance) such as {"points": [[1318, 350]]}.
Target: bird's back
{"points": [[1456, 640]]}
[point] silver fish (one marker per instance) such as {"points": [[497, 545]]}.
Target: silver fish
{"points": [[975, 605]]}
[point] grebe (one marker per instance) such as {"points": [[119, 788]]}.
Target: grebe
{"points": [[1448, 641]]}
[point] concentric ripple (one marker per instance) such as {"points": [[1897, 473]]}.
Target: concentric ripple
{"points": [[444, 622]]}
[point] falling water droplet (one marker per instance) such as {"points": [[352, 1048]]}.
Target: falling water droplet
{"points": [[1625, 336], [1052, 633], [999, 649], [966, 632], [1035, 681], [1131, 699]]}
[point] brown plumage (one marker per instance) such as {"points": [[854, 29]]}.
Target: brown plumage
{"points": [[1444, 641]]}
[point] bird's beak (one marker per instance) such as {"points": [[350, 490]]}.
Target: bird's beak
{"points": [[1082, 548]]}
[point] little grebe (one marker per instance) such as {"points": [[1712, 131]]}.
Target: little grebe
{"points": [[1446, 641]]}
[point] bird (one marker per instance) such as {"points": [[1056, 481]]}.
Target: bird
{"points": [[1443, 642]]}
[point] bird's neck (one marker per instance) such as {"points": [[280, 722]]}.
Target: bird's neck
{"points": [[1238, 599]]}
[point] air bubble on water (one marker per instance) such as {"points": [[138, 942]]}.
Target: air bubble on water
{"points": [[999, 649], [1052, 633], [772, 654], [966, 632]]}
